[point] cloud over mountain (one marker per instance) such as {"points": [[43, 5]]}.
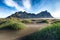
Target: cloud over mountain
{"points": [[11, 3], [27, 4]]}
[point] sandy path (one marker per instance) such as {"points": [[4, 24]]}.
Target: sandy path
{"points": [[12, 35]]}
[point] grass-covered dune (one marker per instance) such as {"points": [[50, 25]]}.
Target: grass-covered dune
{"points": [[43, 21], [11, 25], [58, 21], [51, 32]]}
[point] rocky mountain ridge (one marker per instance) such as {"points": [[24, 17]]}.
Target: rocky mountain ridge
{"points": [[20, 14]]}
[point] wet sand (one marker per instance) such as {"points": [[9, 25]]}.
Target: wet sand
{"points": [[12, 35]]}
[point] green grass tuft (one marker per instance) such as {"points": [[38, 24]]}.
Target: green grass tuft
{"points": [[12, 25], [51, 32], [58, 21], [26, 21]]}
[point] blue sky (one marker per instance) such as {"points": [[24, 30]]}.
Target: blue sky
{"points": [[8, 7]]}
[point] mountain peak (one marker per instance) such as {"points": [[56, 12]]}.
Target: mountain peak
{"points": [[44, 14]]}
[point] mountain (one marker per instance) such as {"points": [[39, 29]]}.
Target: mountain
{"points": [[44, 14], [20, 14]]}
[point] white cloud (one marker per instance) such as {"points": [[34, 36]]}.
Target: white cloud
{"points": [[26, 4], [11, 3], [56, 12]]}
